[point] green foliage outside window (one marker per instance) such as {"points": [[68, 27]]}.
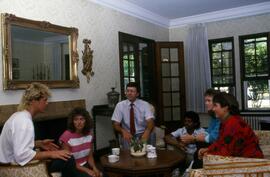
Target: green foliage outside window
{"points": [[256, 72]]}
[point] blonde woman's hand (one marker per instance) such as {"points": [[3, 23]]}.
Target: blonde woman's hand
{"points": [[62, 154], [48, 145]]}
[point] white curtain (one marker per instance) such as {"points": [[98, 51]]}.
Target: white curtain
{"points": [[197, 64]]}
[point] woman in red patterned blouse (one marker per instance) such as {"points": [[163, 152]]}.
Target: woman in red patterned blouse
{"points": [[236, 138]]}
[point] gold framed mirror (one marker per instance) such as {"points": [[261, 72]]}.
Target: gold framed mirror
{"points": [[38, 51]]}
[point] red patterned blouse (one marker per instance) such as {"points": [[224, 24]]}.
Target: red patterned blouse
{"points": [[236, 138]]}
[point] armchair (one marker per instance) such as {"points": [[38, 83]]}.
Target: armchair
{"points": [[216, 166], [32, 169]]}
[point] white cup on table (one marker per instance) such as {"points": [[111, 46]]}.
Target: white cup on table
{"points": [[151, 152], [116, 151], [113, 158]]}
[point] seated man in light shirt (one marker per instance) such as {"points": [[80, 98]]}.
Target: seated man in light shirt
{"points": [[143, 118]]}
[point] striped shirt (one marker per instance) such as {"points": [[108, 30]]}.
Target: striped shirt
{"points": [[80, 145]]}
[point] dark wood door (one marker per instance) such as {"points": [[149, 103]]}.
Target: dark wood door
{"points": [[137, 64], [171, 83]]}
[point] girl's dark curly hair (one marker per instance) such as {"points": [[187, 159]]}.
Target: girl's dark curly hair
{"points": [[80, 112], [226, 99]]}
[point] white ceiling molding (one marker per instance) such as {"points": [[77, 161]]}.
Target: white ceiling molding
{"points": [[135, 11], [243, 11], [141, 13]]}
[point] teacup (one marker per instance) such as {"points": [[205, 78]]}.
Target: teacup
{"points": [[148, 146], [151, 152], [115, 151], [113, 158]]}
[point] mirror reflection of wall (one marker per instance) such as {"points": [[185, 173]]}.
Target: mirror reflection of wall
{"points": [[40, 55]]}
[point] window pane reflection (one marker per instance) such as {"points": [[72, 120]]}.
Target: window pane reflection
{"points": [[167, 114], [174, 54], [166, 82], [175, 84], [167, 99], [165, 69], [176, 113], [165, 55]]}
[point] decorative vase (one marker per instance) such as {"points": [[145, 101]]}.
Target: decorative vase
{"points": [[113, 98]]}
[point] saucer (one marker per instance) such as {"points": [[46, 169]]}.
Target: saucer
{"points": [[138, 154]]}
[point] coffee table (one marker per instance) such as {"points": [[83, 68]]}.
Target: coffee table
{"points": [[164, 164]]}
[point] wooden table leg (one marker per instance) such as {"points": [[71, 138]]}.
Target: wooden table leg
{"points": [[168, 174], [112, 174]]}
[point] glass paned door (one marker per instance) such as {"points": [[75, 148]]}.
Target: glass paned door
{"points": [[170, 63]]}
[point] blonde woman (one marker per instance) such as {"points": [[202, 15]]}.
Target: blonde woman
{"points": [[17, 141]]}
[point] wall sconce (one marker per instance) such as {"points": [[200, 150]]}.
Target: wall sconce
{"points": [[87, 59]]}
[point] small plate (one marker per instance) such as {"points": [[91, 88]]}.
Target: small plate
{"points": [[138, 154]]}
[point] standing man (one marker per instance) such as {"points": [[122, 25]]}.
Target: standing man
{"points": [[133, 117]]}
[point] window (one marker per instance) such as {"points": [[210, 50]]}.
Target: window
{"points": [[222, 64], [255, 66]]}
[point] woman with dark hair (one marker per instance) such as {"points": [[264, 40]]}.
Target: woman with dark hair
{"points": [[78, 140], [236, 138]]}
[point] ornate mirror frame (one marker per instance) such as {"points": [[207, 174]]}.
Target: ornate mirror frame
{"points": [[10, 84]]}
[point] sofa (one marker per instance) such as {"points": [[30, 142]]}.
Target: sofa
{"points": [[264, 141], [217, 166]]}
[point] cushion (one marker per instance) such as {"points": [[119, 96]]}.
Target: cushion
{"points": [[197, 173], [33, 169], [264, 141], [266, 151], [230, 166], [264, 136]]}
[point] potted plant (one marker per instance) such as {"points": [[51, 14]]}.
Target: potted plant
{"points": [[137, 147]]}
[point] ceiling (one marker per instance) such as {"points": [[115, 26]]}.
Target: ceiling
{"points": [[172, 9], [174, 13]]}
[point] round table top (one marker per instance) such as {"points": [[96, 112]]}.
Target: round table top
{"points": [[128, 163]]}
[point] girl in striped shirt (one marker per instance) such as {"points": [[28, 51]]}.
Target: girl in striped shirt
{"points": [[78, 139]]}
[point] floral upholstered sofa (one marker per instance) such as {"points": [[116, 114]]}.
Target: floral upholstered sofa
{"points": [[222, 166]]}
